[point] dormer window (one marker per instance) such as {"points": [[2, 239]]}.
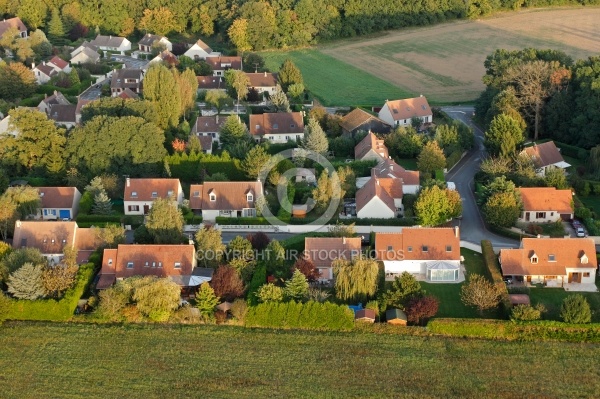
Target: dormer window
{"points": [[154, 194], [409, 249], [275, 126], [292, 125], [448, 248], [551, 258], [584, 259], [134, 194], [130, 265], [534, 259], [425, 248], [257, 127], [250, 197], [177, 265], [213, 197], [196, 193], [169, 193], [390, 248]]}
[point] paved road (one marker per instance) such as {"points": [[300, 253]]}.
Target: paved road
{"points": [[472, 228]]}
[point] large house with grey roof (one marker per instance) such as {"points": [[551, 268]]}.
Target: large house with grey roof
{"points": [[126, 78], [111, 43]]}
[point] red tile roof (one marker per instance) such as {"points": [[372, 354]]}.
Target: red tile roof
{"points": [[544, 154], [356, 118], [419, 243], [210, 82], [365, 315], [143, 188], [546, 199], [262, 79], [567, 252], [12, 23], [59, 62], [370, 142], [57, 197], [223, 62], [386, 189], [146, 260], [128, 94], [52, 237], [229, 195], [208, 124], [409, 108], [389, 168], [46, 70], [322, 251], [276, 123]]}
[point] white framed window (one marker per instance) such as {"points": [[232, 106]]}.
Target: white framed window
{"points": [[250, 198], [159, 264], [154, 194], [551, 258], [177, 265], [133, 208], [448, 248], [275, 126], [196, 193], [409, 249], [146, 264], [134, 194], [169, 193], [130, 265], [213, 197]]}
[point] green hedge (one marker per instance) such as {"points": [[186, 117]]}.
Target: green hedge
{"points": [[82, 217], [311, 316], [259, 278], [359, 222], [572, 151], [520, 331], [504, 232], [51, 309], [241, 221], [495, 273]]}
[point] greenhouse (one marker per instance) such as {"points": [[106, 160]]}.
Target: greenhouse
{"points": [[443, 271]]}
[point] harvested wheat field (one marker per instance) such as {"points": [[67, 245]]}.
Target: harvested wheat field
{"points": [[445, 62]]}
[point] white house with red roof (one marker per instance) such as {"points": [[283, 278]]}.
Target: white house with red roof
{"points": [[431, 254], [59, 64], [262, 82], [401, 112], [380, 198], [200, 51], [277, 127], [390, 169], [371, 148], [141, 193], [225, 199], [545, 204], [221, 64], [545, 156], [322, 251], [556, 262]]}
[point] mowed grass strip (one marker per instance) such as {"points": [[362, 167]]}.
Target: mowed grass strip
{"points": [[334, 82], [154, 361]]}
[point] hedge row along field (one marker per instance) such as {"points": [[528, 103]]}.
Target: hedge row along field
{"points": [[162, 361]]}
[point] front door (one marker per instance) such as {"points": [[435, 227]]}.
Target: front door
{"points": [[146, 209], [527, 216], [574, 277]]}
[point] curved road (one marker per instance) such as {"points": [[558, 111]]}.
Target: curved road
{"points": [[472, 228]]}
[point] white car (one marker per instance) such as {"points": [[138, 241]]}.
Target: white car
{"points": [[580, 232]]}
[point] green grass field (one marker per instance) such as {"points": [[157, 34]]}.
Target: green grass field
{"points": [[334, 82], [552, 299], [154, 361]]}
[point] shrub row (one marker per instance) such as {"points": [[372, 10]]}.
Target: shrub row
{"points": [[519, 331], [259, 278], [572, 151], [495, 273], [359, 222], [311, 316], [51, 309], [101, 220], [241, 221], [504, 232]]}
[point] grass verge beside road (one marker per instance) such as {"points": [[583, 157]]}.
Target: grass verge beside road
{"points": [[152, 361]]}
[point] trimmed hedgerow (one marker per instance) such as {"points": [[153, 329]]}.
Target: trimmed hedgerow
{"points": [[259, 278], [310, 316], [494, 273]]}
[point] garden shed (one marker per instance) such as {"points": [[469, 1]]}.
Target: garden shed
{"points": [[396, 317], [366, 315]]}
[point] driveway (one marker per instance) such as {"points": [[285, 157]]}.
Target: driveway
{"points": [[472, 228]]}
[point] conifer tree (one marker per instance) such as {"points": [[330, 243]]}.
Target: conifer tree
{"points": [[279, 101], [289, 74], [56, 28], [26, 282], [296, 288], [206, 300], [102, 204], [315, 138]]}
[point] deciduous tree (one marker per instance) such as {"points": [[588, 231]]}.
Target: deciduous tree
{"points": [[480, 293], [157, 298], [403, 289], [210, 246], [503, 136], [420, 309], [162, 90], [227, 284], [356, 279], [279, 101], [218, 99], [160, 21], [188, 87], [307, 267], [502, 209], [435, 206], [165, 222], [431, 158], [239, 82], [238, 34], [110, 236]]}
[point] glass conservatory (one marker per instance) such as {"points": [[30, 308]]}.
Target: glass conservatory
{"points": [[443, 271]]}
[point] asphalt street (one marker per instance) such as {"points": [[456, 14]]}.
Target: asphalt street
{"points": [[472, 228]]}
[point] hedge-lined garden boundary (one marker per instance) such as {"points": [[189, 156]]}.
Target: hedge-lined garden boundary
{"points": [[495, 274], [516, 331], [310, 316]]}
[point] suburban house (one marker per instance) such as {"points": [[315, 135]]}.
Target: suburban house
{"points": [[59, 64], [322, 251], [380, 198], [545, 156], [555, 262], [43, 72], [545, 204], [86, 53], [390, 169], [208, 126], [358, 120], [400, 112], [111, 43], [15, 22], [127, 94], [305, 175], [279, 127], [52, 237], [141, 193], [262, 82], [50, 101], [431, 254], [200, 51], [126, 79], [371, 148], [225, 198], [58, 203], [211, 83], [221, 64], [146, 42], [177, 262], [64, 115], [167, 57]]}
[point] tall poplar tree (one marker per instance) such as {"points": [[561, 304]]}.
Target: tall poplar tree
{"points": [[162, 90]]}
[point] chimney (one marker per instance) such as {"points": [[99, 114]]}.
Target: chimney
{"points": [[128, 182], [344, 240], [377, 180], [217, 119], [265, 74], [456, 232], [33, 65]]}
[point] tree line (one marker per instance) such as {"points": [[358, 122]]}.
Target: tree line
{"points": [[255, 24]]}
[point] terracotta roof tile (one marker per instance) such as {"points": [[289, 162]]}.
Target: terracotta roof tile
{"points": [[389, 168], [544, 154], [419, 243], [375, 188], [263, 79], [48, 237], [57, 197], [568, 252], [229, 195], [196, 196], [356, 118], [208, 124], [59, 62], [210, 82], [46, 70], [276, 123], [143, 189], [224, 62], [203, 46], [127, 94], [409, 108], [12, 23], [322, 251], [546, 199], [370, 142]]}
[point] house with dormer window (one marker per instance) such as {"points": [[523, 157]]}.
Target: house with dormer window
{"points": [[279, 127], [225, 199], [555, 262], [145, 44], [371, 148], [126, 79], [141, 193], [401, 112]]}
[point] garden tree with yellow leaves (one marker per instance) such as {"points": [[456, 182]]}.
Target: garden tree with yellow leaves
{"points": [[435, 205], [162, 90], [165, 222], [431, 158], [159, 21], [356, 279]]}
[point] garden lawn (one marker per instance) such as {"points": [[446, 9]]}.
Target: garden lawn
{"points": [[449, 294], [591, 201], [407, 163], [334, 82], [160, 361], [552, 299]]}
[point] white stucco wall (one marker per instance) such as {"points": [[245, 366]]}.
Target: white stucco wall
{"points": [[551, 216], [376, 209], [281, 138], [591, 279]]}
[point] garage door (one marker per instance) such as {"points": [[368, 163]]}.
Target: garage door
{"points": [[64, 214]]}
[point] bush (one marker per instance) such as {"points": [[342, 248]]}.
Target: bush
{"points": [[572, 151], [258, 279], [99, 218], [494, 273], [241, 221], [526, 312], [310, 315], [239, 309], [576, 309]]}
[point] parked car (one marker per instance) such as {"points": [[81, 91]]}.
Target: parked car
{"points": [[580, 232], [507, 280], [576, 223]]}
